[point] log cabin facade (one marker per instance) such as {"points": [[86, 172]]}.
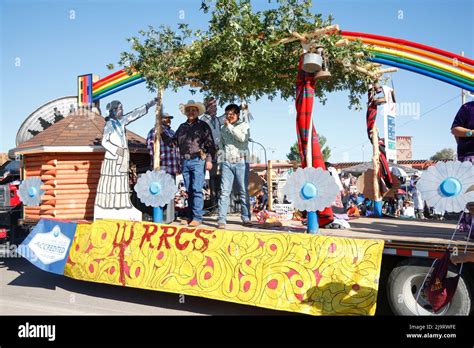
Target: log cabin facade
{"points": [[67, 157]]}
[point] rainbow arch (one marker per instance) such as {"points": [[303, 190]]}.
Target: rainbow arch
{"points": [[429, 61], [114, 83]]}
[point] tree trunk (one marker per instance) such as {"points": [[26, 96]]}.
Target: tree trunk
{"points": [[375, 159], [157, 140]]}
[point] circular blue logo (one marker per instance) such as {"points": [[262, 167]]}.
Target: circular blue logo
{"points": [[155, 188], [450, 187], [32, 191], [309, 191]]}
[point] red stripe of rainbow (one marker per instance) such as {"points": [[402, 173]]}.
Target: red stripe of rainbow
{"points": [[84, 89], [114, 83]]}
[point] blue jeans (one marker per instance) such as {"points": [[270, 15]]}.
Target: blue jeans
{"points": [[240, 173], [194, 174]]}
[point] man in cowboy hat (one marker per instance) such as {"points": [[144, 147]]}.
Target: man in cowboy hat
{"points": [[197, 149], [169, 158], [169, 153]]}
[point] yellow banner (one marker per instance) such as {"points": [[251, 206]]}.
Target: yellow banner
{"points": [[317, 275]]}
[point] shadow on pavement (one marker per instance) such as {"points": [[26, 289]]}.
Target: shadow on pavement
{"points": [[30, 276]]}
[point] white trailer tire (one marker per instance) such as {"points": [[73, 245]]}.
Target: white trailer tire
{"points": [[403, 285]]}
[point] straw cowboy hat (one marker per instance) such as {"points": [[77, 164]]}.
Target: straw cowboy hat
{"points": [[199, 106]]}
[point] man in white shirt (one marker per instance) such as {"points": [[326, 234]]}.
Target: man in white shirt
{"points": [[233, 159], [418, 202]]}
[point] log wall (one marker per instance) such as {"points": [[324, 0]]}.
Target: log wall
{"points": [[70, 184]]}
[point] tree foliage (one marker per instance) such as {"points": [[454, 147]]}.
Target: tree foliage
{"points": [[236, 56], [444, 154], [294, 154]]}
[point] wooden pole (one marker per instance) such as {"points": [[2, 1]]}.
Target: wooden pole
{"points": [[312, 222], [157, 140], [376, 163]]}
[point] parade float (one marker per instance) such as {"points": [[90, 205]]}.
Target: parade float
{"points": [[309, 273]]}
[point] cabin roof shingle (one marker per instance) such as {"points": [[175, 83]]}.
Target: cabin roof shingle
{"points": [[85, 128]]}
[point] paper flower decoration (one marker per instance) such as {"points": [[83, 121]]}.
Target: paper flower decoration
{"points": [[155, 189], [445, 185], [30, 191], [311, 189]]}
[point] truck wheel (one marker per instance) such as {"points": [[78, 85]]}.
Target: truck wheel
{"points": [[404, 283]]}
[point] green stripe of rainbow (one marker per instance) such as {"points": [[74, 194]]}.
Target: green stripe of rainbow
{"points": [[426, 60], [115, 82]]}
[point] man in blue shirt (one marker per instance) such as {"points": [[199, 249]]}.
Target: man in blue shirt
{"points": [[463, 128]]}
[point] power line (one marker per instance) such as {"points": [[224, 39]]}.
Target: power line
{"points": [[354, 147], [433, 109]]}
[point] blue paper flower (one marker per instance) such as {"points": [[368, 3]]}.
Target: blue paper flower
{"points": [[311, 189], [445, 185], [155, 189], [30, 191]]}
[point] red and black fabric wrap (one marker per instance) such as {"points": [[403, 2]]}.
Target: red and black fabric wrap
{"points": [[384, 170], [304, 107]]}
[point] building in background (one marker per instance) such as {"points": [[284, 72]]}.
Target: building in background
{"points": [[404, 148], [3, 158]]}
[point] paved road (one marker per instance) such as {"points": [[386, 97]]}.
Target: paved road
{"points": [[27, 290]]}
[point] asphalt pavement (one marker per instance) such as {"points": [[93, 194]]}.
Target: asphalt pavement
{"points": [[28, 290]]}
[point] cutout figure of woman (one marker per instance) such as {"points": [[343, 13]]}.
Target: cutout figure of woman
{"points": [[112, 200]]}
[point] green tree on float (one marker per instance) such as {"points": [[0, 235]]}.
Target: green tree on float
{"points": [[294, 154], [444, 154], [239, 56]]}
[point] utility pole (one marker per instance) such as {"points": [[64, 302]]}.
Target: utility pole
{"points": [[463, 92], [269, 186]]}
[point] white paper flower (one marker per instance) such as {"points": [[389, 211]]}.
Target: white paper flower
{"points": [[155, 189], [30, 191], [311, 189], [445, 185]]}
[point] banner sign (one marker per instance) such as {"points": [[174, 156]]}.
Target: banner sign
{"points": [[47, 246], [389, 116], [312, 274]]}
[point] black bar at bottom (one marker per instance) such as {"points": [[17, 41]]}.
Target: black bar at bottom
{"points": [[242, 330]]}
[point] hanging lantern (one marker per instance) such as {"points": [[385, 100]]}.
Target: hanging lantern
{"points": [[324, 73], [379, 97], [376, 91], [312, 62]]}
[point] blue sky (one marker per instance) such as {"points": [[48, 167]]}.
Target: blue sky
{"points": [[54, 49]]}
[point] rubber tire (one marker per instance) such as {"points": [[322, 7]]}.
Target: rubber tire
{"points": [[459, 305]]}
